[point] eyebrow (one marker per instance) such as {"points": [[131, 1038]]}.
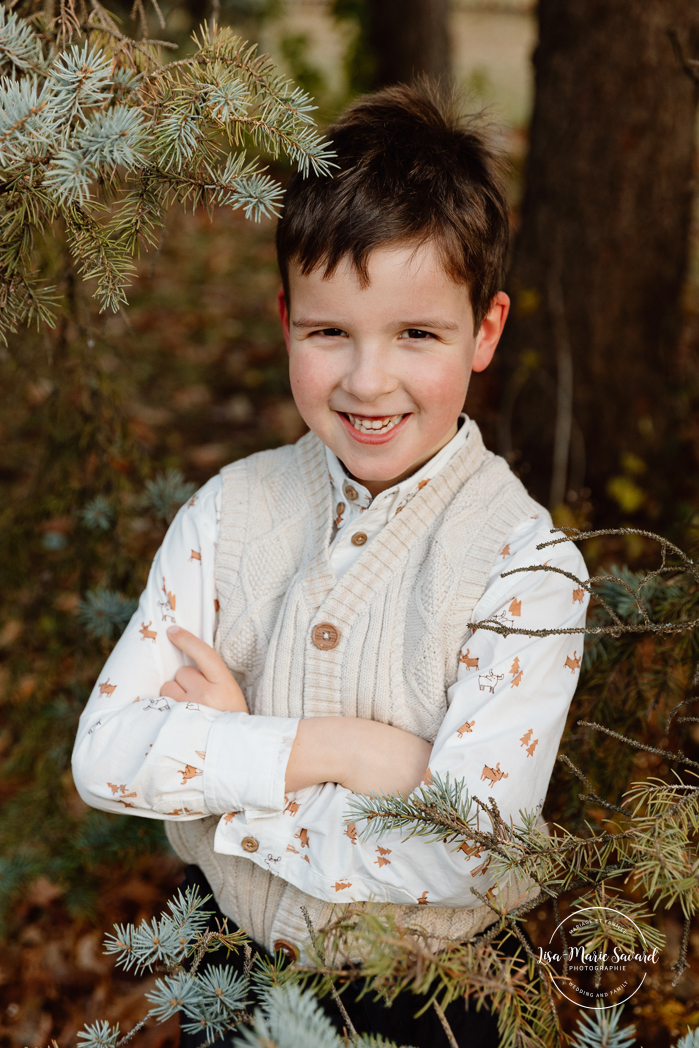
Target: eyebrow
{"points": [[309, 322], [420, 325], [433, 322]]}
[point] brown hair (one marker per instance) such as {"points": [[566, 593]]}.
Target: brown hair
{"points": [[409, 169]]}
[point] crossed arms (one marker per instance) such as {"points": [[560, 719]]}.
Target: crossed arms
{"points": [[364, 756], [158, 738]]}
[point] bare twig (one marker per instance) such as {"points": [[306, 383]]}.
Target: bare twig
{"points": [[661, 628], [592, 795], [564, 939], [665, 754], [666, 546], [680, 966], [247, 966], [541, 968], [445, 1025], [159, 13], [673, 711], [91, 27], [132, 1033], [333, 990]]}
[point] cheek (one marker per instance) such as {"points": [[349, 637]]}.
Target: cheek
{"points": [[441, 388], [311, 384]]}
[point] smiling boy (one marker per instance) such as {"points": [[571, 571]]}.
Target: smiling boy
{"points": [[380, 372], [324, 591]]}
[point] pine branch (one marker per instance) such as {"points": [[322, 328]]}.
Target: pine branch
{"points": [[600, 1029], [104, 136]]}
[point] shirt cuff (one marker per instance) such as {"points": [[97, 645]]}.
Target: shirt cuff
{"points": [[246, 759]]}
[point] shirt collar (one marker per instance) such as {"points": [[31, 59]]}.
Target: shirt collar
{"points": [[345, 489]]}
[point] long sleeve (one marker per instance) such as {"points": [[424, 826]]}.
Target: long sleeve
{"points": [[143, 754], [505, 717]]}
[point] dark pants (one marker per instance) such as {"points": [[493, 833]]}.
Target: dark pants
{"points": [[472, 1029]]}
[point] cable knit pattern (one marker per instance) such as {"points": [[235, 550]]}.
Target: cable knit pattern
{"points": [[402, 611]]}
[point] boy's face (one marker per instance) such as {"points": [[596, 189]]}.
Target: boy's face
{"points": [[380, 373]]}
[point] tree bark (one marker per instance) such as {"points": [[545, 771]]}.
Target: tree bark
{"points": [[409, 37], [597, 273]]}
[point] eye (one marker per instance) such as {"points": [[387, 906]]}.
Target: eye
{"points": [[331, 333], [415, 333]]}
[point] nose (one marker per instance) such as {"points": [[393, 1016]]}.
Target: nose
{"points": [[368, 376]]}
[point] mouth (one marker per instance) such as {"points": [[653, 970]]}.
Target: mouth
{"points": [[370, 424], [372, 429]]}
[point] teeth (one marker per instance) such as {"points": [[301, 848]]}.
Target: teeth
{"points": [[374, 425]]}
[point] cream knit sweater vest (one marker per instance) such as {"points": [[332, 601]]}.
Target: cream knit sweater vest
{"points": [[402, 611]]}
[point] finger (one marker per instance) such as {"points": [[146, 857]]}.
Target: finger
{"points": [[209, 662], [188, 677], [173, 691]]}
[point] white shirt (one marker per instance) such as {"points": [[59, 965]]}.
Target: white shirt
{"points": [[150, 756]]}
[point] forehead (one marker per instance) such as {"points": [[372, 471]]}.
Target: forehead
{"points": [[403, 273]]}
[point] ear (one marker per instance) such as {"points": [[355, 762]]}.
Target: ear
{"points": [[490, 331], [284, 316]]}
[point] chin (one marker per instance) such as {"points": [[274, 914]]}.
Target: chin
{"points": [[365, 468]]}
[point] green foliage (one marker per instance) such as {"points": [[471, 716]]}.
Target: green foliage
{"points": [[98, 1035], [647, 845], [97, 140], [215, 1001], [100, 138], [287, 1015], [289, 1018], [440, 811], [399, 959], [163, 940], [105, 613], [166, 493], [98, 514], [600, 1029]]}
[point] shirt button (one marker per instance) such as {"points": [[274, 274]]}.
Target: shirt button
{"points": [[249, 844], [325, 636], [351, 493], [340, 509], [288, 949], [359, 539]]}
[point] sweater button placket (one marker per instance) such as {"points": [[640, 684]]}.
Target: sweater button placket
{"points": [[325, 636], [287, 949]]}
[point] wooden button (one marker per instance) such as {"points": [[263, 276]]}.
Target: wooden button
{"points": [[326, 636], [339, 510], [351, 493], [359, 539], [288, 949], [249, 844]]}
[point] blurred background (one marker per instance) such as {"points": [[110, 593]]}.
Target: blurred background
{"points": [[108, 422]]}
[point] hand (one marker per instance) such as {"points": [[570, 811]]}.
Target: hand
{"points": [[365, 756], [212, 684]]}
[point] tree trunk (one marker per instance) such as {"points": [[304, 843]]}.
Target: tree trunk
{"points": [[599, 262], [409, 37]]}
